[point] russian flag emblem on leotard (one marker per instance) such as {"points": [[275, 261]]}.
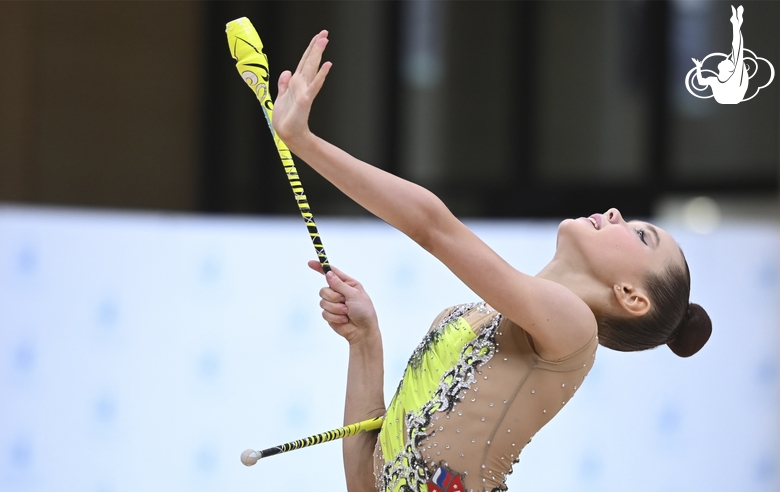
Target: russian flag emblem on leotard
{"points": [[444, 480]]}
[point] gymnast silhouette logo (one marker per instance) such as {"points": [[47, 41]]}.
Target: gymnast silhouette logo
{"points": [[735, 71]]}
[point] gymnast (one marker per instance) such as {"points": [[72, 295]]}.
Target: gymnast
{"points": [[731, 84], [490, 374]]}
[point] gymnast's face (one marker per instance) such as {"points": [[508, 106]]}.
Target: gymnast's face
{"points": [[614, 251]]}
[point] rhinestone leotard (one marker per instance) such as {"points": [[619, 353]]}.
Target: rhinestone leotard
{"points": [[473, 395]]}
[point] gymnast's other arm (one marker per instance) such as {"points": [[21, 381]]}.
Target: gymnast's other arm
{"points": [[349, 311], [558, 320], [701, 80]]}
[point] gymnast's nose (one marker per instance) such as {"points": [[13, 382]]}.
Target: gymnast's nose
{"points": [[613, 216]]}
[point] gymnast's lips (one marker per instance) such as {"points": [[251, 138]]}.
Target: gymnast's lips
{"points": [[595, 219]]}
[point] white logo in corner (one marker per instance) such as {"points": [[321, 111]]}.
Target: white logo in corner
{"points": [[730, 84]]}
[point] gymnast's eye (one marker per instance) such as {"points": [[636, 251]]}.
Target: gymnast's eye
{"points": [[641, 234]]}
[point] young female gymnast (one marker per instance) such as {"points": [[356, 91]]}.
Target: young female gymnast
{"points": [[488, 375]]}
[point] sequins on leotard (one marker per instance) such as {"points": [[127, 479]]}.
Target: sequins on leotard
{"points": [[472, 396], [408, 469]]}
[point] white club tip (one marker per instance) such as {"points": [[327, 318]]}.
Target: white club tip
{"points": [[250, 457]]}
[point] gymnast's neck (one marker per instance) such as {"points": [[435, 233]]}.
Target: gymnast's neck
{"points": [[583, 283]]}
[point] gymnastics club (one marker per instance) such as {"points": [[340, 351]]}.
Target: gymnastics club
{"points": [[252, 64], [250, 456]]}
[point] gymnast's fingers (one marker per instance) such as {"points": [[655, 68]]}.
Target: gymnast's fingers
{"points": [[284, 83], [338, 319], [335, 283], [306, 53], [316, 266], [343, 276], [319, 79], [334, 307], [331, 295], [312, 64]]}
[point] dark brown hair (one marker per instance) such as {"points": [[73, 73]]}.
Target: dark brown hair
{"points": [[672, 320]]}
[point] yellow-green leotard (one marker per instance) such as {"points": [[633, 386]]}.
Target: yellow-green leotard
{"points": [[473, 394]]}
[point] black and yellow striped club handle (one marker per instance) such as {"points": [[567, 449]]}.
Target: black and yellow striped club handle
{"points": [[247, 49], [250, 456]]}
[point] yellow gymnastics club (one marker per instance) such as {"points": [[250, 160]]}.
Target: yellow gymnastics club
{"points": [[252, 64]]}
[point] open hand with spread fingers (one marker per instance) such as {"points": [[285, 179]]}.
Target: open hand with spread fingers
{"points": [[298, 90]]}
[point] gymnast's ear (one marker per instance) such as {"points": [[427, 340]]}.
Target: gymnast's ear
{"points": [[631, 299]]}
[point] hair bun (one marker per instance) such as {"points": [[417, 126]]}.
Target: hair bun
{"points": [[694, 332]]}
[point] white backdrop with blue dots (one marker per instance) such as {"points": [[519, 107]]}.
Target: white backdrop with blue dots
{"points": [[147, 351]]}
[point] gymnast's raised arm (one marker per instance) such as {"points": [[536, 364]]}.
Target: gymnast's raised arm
{"points": [[558, 320]]}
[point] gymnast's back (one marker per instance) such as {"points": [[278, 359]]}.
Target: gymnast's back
{"points": [[473, 394]]}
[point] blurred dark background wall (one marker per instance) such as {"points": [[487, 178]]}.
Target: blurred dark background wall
{"points": [[101, 103], [505, 109]]}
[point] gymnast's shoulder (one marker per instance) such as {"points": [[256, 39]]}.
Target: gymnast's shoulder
{"points": [[558, 320]]}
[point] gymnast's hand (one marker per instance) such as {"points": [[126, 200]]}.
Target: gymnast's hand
{"points": [[298, 90], [346, 306]]}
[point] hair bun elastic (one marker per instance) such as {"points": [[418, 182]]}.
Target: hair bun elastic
{"points": [[693, 334]]}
